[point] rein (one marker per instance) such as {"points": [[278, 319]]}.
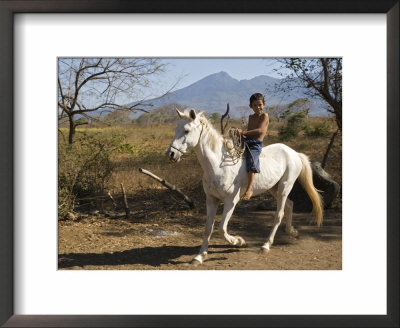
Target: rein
{"points": [[239, 145]]}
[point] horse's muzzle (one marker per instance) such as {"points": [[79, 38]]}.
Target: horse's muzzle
{"points": [[173, 155]]}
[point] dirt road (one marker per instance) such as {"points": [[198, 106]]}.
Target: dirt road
{"points": [[164, 239]]}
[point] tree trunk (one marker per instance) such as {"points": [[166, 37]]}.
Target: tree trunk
{"points": [[325, 159], [71, 129], [338, 116]]}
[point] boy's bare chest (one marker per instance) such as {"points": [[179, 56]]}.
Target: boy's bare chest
{"points": [[254, 122]]}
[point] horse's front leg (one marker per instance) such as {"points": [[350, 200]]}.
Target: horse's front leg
{"points": [[229, 207], [211, 211]]}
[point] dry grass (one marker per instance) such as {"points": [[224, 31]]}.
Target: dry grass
{"points": [[150, 143]]}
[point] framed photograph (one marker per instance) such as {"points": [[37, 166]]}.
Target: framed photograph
{"points": [[362, 291]]}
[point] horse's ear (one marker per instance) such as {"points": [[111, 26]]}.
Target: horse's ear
{"points": [[179, 113], [192, 114]]}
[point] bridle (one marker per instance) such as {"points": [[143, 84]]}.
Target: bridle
{"points": [[176, 149], [201, 132]]}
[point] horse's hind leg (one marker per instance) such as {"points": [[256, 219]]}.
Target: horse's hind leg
{"points": [[211, 211], [288, 213], [288, 219], [282, 193], [229, 206]]}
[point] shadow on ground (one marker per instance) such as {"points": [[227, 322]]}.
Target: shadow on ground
{"points": [[153, 256]]}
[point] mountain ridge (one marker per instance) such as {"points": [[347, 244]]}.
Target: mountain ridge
{"points": [[213, 92]]}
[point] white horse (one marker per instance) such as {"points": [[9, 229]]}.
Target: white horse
{"points": [[226, 180]]}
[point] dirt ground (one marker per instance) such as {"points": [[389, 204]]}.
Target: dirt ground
{"points": [[165, 235]]}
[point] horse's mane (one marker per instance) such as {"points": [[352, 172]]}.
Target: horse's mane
{"points": [[214, 137]]}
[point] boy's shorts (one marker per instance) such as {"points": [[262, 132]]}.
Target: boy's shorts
{"points": [[255, 147]]}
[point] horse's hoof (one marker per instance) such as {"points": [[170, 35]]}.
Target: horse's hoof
{"points": [[199, 259], [241, 241], [264, 250], [195, 262]]}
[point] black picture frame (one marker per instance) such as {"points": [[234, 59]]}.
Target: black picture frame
{"points": [[7, 11]]}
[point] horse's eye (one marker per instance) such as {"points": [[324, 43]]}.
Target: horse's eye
{"points": [[186, 131]]}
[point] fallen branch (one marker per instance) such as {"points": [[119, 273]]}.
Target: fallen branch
{"points": [[113, 200], [127, 210], [169, 186]]}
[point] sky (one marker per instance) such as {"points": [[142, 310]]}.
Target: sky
{"points": [[190, 70], [182, 72]]}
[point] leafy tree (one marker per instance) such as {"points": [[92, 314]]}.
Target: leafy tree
{"points": [[300, 105], [323, 78]]}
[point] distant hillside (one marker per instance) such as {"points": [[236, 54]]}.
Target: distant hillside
{"points": [[213, 92]]}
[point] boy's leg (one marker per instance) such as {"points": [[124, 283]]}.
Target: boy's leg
{"points": [[249, 191]]}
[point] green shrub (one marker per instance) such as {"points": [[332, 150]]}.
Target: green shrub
{"points": [[215, 118], [85, 167], [288, 132], [298, 119], [295, 123], [66, 201], [318, 130]]}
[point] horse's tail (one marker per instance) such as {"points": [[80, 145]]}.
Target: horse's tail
{"points": [[306, 180]]}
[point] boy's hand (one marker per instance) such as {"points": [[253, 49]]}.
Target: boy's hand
{"points": [[240, 131]]}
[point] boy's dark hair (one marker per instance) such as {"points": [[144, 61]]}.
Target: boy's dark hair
{"points": [[257, 96]]}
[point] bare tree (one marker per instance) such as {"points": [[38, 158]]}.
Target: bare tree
{"points": [[323, 78], [277, 111], [89, 86]]}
